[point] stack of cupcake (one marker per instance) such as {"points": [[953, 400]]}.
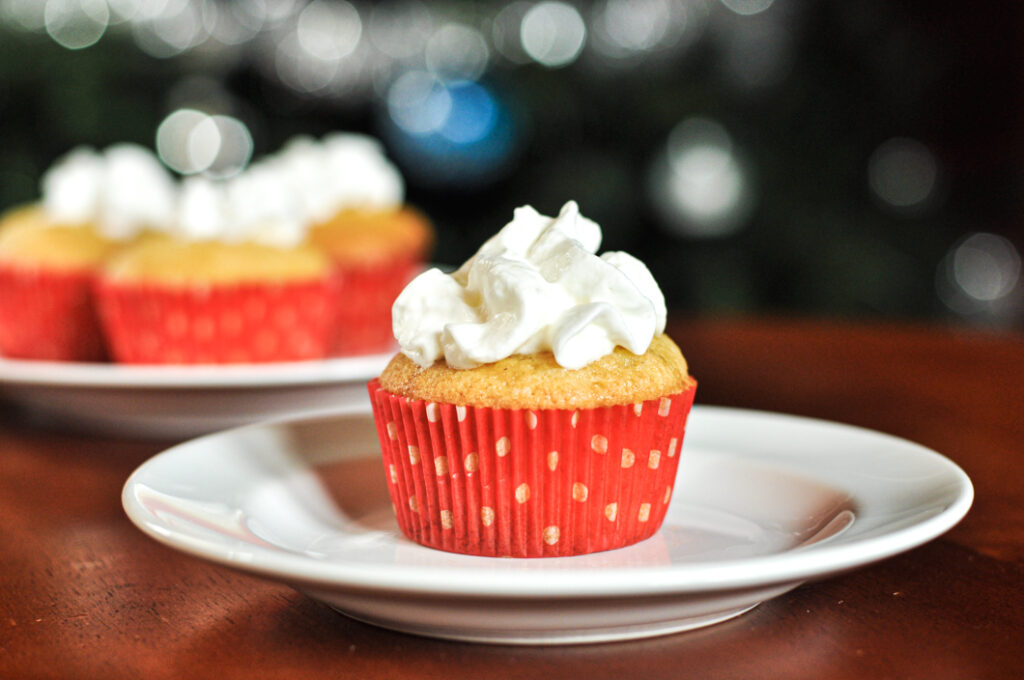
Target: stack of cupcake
{"points": [[298, 257]]}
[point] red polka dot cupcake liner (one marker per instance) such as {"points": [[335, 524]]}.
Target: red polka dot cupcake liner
{"points": [[229, 324], [48, 315], [362, 323], [529, 483]]}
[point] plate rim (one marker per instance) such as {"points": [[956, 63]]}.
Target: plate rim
{"points": [[70, 374], [813, 561]]}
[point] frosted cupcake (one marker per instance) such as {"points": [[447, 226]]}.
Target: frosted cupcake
{"points": [[536, 408], [91, 204], [233, 282], [354, 198]]}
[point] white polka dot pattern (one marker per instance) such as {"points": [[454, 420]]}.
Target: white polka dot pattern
{"points": [[654, 459], [664, 407], [557, 495], [552, 534], [460, 413], [245, 323]]}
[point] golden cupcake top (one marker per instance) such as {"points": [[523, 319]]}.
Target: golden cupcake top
{"points": [[170, 261], [365, 236], [524, 381], [29, 237]]}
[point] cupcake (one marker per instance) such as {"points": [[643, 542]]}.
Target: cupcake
{"points": [[50, 253], [536, 408], [354, 199], [232, 282]]}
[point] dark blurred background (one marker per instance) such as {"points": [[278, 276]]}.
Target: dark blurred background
{"points": [[857, 158]]}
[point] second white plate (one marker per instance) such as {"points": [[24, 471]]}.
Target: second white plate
{"points": [[762, 503], [185, 401]]}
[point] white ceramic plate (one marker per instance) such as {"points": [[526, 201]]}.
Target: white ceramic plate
{"points": [[763, 502], [184, 401]]}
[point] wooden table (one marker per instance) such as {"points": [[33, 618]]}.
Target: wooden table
{"points": [[83, 594]]}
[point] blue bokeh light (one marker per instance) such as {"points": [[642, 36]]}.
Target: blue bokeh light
{"points": [[473, 144]]}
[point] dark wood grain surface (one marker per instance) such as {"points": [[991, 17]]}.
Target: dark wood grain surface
{"points": [[83, 594]]}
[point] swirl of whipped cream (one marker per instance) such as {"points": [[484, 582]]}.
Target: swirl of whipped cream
{"points": [[537, 285], [339, 172], [252, 207], [121, 191]]}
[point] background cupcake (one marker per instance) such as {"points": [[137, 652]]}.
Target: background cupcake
{"points": [[92, 204], [536, 408], [354, 198], [233, 282]]}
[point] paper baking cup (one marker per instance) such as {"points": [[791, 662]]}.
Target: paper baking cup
{"points": [[245, 323], [47, 314], [363, 307], [529, 483]]}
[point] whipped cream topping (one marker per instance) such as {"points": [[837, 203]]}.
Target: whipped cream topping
{"points": [[121, 191], [126, 189], [339, 172], [537, 285], [252, 207]]}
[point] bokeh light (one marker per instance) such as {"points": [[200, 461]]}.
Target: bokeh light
{"points": [[236, 24], [191, 142], [418, 103], [125, 10], [747, 7], [902, 175], [457, 52], [986, 266], [300, 70], [628, 26], [699, 184], [329, 29], [179, 26], [472, 116], [26, 15], [553, 34], [272, 12], [234, 147], [980, 277], [757, 52], [506, 31], [400, 29], [76, 24], [459, 134]]}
